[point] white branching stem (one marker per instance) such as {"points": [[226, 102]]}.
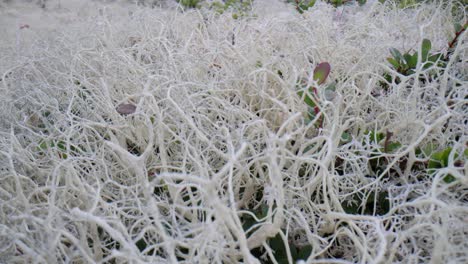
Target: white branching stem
{"points": [[139, 135]]}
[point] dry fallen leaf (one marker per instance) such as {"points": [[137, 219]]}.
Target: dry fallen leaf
{"points": [[126, 109]]}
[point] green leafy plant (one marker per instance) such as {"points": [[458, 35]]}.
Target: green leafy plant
{"points": [[375, 203], [189, 3], [440, 159], [377, 163], [302, 5], [239, 8], [276, 243], [406, 63], [58, 146], [297, 252]]}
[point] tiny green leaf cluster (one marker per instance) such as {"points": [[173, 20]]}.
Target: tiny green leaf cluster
{"points": [[190, 3], [406, 63], [304, 5], [240, 8]]}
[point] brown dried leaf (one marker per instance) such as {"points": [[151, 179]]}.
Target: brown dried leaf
{"points": [[126, 109]]}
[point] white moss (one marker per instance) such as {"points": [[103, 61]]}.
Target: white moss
{"points": [[214, 126]]}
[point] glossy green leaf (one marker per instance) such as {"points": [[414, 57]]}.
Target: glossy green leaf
{"points": [[394, 63], [411, 60], [435, 57], [440, 159], [427, 150], [426, 47], [397, 55], [321, 72], [307, 99], [407, 58]]}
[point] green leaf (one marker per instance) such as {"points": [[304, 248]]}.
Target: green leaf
{"points": [[392, 146], [449, 178], [394, 63], [375, 137], [458, 27], [411, 60], [397, 55], [307, 99], [407, 58], [440, 159], [351, 205], [345, 138], [264, 211], [435, 57], [42, 145], [321, 72], [311, 3], [426, 47], [141, 244], [293, 250], [304, 252], [277, 244], [61, 145], [427, 150], [337, 3]]}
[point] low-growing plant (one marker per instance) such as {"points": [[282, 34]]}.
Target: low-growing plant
{"points": [[239, 8], [304, 5], [276, 243], [309, 94], [406, 63], [440, 159], [190, 3]]}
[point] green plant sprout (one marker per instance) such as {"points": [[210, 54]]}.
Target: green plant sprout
{"points": [[406, 63], [321, 73]]}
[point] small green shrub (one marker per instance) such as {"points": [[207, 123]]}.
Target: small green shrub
{"points": [[189, 3], [406, 63]]}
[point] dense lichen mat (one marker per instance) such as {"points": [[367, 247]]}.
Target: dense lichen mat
{"points": [[132, 134]]}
